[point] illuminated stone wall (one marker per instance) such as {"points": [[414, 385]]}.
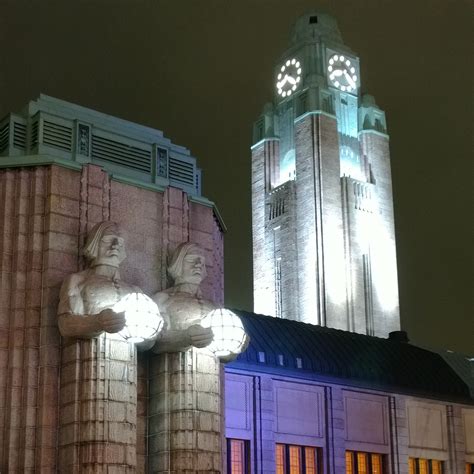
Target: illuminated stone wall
{"points": [[263, 264], [45, 213], [265, 409]]}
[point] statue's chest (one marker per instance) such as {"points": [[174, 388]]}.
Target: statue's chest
{"points": [[184, 310], [100, 293]]}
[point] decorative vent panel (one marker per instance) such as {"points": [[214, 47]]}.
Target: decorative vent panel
{"points": [[19, 135], [4, 133], [181, 171], [57, 136], [121, 154], [34, 134], [162, 162]]}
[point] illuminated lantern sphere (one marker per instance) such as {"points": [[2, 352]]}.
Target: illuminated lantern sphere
{"points": [[142, 317], [230, 337]]}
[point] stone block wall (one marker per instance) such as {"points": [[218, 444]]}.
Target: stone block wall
{"points": [[45, 214], [322, 292], [263, 154], [375, 147]]}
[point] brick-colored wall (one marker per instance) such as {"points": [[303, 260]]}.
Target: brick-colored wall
{"points": [[45, 214]]}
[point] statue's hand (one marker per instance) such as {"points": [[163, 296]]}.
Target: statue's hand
{"points": [[110, 321], [199, 336]]}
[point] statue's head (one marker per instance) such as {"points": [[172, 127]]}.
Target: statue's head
{"points": [[105, 245], [188, 264]]}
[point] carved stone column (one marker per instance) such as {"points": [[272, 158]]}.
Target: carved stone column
{"points": [[98, 406], [185, 413]]}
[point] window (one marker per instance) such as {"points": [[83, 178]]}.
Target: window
{"points": [[424, 466], [237, 456], [469, 468], [363, 463], [292, 459]]}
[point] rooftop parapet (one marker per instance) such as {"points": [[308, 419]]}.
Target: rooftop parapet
{"points": [[68, 133]]}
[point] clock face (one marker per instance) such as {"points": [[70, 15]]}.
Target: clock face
{"points": [[342, 73], [288, 78]]}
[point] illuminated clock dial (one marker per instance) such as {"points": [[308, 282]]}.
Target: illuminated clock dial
{"points": [[342, 73], [288, 78]]}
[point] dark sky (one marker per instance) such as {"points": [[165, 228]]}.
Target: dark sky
{"points": [[201, 70]]}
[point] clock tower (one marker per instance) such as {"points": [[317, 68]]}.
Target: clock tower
{"points": [[322, 211]]}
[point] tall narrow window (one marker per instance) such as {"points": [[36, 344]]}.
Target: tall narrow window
{"points": [[350, 462], [295, 459], [376, 462], [362, 463], [310, 460], [277, 267], [369, 305], [280, 459], [237, 456], [278, 287]]}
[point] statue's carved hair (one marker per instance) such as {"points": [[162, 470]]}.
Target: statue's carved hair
{"points": [[175, 268], [94, 237]]}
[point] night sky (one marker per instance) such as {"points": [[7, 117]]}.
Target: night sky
{"points": [[201, 71]]}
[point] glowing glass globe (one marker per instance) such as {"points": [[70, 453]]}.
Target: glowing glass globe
{"points": [[230, 337], [142, 317]]}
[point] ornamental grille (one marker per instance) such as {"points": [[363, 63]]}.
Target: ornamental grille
{"points": [[57, 136], [34, 134], [4, 133], [181, 171], [277, 208], [121, 154], [19, 135]]}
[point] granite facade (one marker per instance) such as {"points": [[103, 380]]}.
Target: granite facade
{"points": [[81, 405]]}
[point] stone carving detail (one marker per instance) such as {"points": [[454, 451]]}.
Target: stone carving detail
{"points": [[87, 297], [182, 306], [83, 140]]}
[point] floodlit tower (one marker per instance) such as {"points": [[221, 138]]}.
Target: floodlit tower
{"points": [[322, 210]]}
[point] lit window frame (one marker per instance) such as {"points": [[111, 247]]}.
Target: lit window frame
{"points": [[424, 465], [364, 462], [245, 446], [304, 466]]}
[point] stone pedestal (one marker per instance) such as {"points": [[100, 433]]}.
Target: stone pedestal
{"points": [[185, 413], [98, 412]]}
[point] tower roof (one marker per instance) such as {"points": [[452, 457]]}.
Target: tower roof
{"points": [[316, 25]]}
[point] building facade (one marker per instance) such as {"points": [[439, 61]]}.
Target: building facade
{"points": [[311, 400], [322, 211], [64, 169]]}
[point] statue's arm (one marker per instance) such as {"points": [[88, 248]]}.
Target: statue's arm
{"points": [[72, 320]]}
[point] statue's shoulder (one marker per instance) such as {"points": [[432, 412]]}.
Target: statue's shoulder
{"points": [[74, 281], [161, 296]]}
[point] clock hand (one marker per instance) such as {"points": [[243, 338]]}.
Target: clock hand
{"points": [[349, 79], [337, 72], [291, 80], [283, 81]]}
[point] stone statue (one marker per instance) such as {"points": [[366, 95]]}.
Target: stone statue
{"points": [[87, 298], [182, 305]]}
